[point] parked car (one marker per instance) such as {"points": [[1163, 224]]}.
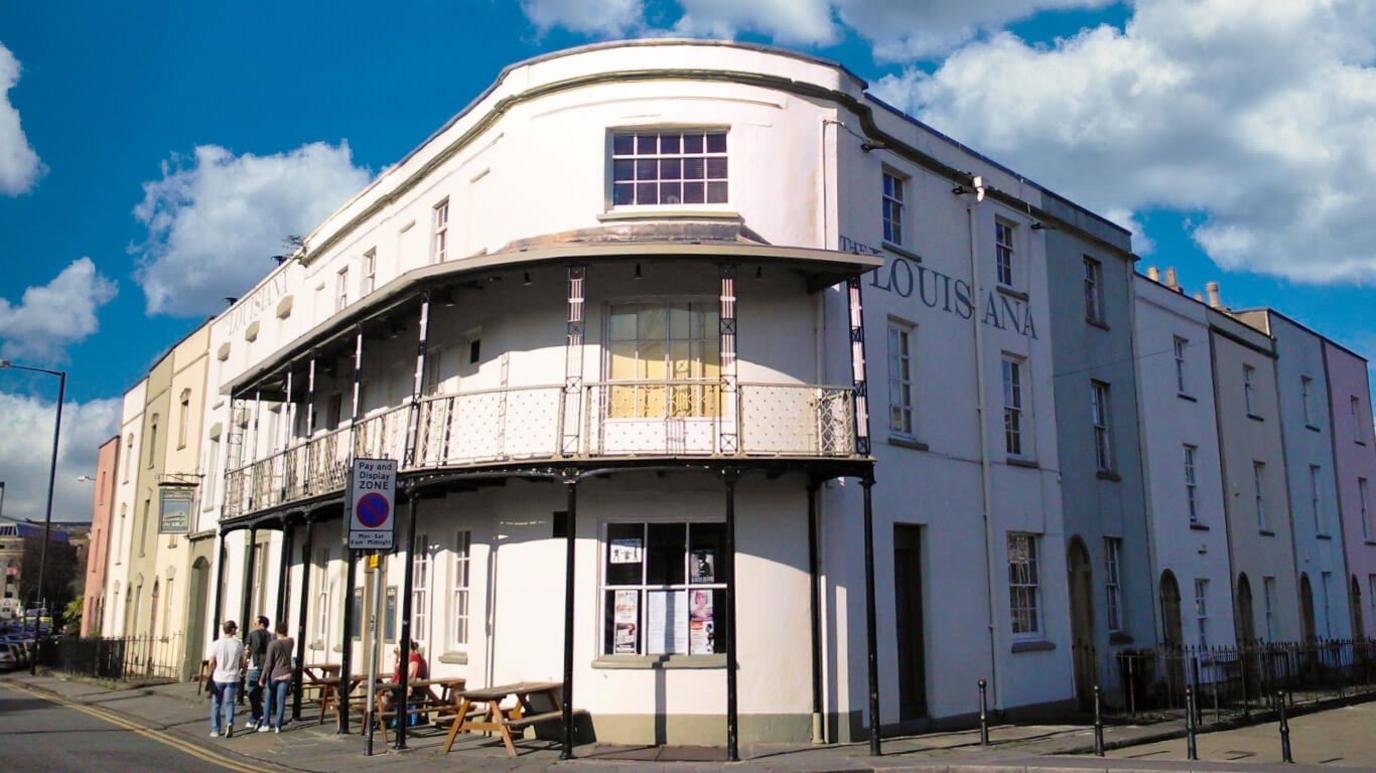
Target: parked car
{"points": [[9, 660]]}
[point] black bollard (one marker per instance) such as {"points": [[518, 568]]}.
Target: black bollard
{"points": [[1284, 729], [1098, 725], [983, 714], [1191, 750]]}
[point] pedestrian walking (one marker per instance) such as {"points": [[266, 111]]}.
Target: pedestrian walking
{"points": [[257, 643], [276, 678], [227, 654]]}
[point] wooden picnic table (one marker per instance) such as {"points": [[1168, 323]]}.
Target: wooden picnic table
{"points": [[423, 699], [329, 693], [481, 710]]}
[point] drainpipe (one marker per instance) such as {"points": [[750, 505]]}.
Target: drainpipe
{"points": [[986, 494]]}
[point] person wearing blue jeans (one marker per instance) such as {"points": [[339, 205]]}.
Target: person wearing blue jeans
{"points": [[277, 676], [256, 644], [227, 655]]}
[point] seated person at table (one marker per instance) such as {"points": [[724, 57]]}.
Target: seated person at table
{"points": [[416, 670]]}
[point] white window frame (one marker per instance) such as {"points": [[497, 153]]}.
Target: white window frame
{"points": [[1180, 345], [1201, 610], [341, 289], [901, 412], [1094, 290], [460, 590], [1014, 382], [1103, 438], [893, 207], [421, 566], [1315, 472], [322, 596], [1249, 389], [645, 587], [1306, 388], [368, 280], [1113, 579], [1191, 483], [619, 161], [1024, 586], [1258, 475], [1005, 252], [439, 232]]}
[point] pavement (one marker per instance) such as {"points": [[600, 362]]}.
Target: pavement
{"points": [[55, 723]]}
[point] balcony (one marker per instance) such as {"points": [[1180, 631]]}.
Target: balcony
{"points": [[683, 419]]}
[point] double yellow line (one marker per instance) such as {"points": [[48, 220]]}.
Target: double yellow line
{"points": [[161, 736]]}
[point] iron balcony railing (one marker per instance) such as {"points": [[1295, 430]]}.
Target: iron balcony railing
{"points": [[678, 418]]}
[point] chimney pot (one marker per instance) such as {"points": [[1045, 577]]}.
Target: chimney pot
{"points": [[1199, 297], [1214, 301], [1170, 279], [1153, 274]]}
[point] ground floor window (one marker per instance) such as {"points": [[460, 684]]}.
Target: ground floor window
{"points": [[664, 588], [1024, 585]]}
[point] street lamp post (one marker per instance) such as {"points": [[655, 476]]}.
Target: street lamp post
{"points": [[48, 514]]}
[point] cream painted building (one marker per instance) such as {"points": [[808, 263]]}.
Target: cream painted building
{"points": [[669, 347], [119, 598]]}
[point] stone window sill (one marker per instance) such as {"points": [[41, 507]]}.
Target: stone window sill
{"points": [[1267, 533], [1312, 428], [1323, 536], [649, 662], [1107, 475], [1099, 323], [902, 252], [1184, 396], [1119, 637], [907, 442], [1255, 417], [669, 213], [1199, 527], [455, 658], [1030, 464], [1033, 646], [1011, 293]]}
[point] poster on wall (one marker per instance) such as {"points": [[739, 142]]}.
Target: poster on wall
{"points": [[666, 622], [626, 616], [703, 567], [701, 630], [625, 551]]}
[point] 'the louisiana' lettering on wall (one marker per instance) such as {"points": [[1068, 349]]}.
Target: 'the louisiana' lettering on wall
{"points": [[907, 278]]}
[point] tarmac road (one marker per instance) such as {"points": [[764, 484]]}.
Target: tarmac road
{"points": [[42, 733]]}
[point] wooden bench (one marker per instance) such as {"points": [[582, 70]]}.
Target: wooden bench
{"points": [[481, 711]]}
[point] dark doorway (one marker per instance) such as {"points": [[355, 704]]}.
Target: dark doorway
{"points": [[1082, 623], [907, 585], [1246, 624], [1358, 629], [1306, 609], [1175, 639], [195, 623]]}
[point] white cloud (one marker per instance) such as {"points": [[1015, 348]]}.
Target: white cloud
{"points": [[1261, 116], [19, 165], [27, 452], [904, 30], [213, 225], [599, 18], [50, 317], [791, 22]]}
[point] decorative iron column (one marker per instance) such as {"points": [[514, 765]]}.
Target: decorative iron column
{"points": [[310, 426], [871, 637], [346, 656], [284, 573], [220, 557], [566, 694], [861, 416], [815, 611], [728, 430], [288, 414], [417, 384], [731, 475], [304, 608], [407, 587], [249, 568], [573, 360], [253, 503]]}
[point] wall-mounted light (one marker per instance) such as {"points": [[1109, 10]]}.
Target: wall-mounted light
{"points": [[976, 187], [869, 145], [637, 274], [759, 272], [525, 279], [1039, 226]]}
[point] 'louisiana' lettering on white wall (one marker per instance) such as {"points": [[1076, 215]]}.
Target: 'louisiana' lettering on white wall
{"points": [[907, 278]]}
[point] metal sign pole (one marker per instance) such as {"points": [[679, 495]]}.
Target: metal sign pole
{"points": [[369, 709]]}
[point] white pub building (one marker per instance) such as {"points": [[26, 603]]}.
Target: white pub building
{"points": [[651, 443]]}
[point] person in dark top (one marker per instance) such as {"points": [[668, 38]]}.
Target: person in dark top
{"points": [[257, 645], [417, 669], [277, 676]]}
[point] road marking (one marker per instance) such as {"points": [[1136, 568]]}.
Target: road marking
{"points": [[161, 736]]}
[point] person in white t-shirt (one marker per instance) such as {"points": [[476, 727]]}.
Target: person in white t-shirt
{"points": [[227, 656]]}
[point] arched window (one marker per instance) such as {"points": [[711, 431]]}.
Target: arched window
{"points": [[128, 455], [152, 440]]}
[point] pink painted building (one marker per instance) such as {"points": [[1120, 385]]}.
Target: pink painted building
{"points": [[103, 500], [1354, 458]]}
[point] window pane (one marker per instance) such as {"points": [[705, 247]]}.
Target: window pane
{"points": [[670, 169], [647, 170], [623, 622], [670, 193], [693, 193], [716, 193], [623, 326], [704, 553], [645, 144], [680, 326], [623, 362], [623, 144], [664, 555], [623, 193], [646, 193], [625, 553], [716, 143], [716, 168], [670, 143], [693, 168], [692, 143], [623, 169], [652, 324]]}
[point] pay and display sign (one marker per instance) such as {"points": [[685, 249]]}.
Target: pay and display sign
{"points": [[372, 500]]}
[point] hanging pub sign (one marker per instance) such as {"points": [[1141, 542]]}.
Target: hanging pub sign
{"points": [[174, 509]]}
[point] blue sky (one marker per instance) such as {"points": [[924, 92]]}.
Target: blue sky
{"points": [[114, 102]]}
